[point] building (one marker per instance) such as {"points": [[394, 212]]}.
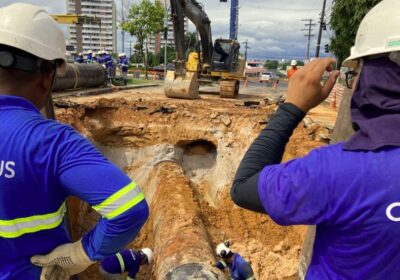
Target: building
{"points": [[95, 37], [254, 68], [156, 42]]}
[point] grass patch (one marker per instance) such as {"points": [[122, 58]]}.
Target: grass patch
{"points": [[142, 81]]}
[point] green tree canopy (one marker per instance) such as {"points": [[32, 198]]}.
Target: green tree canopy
{"points": [[345, 19], [144, 19], [271, 64]]}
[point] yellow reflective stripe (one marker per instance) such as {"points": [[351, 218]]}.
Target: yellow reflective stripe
{"points": [[121, 262], [17, 227], [126, 206], [120, 201]]}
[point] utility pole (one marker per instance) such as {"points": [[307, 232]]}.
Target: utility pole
{"points": [[122, 21], [321, 24], [130, 50], [246, 47], [309, 29], [79, 40], [165, 37]]}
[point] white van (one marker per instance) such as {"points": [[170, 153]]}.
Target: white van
{"points": [[266, 77]]}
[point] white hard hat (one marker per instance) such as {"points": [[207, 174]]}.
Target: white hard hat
{"points": [[33, 30], [222, 250], [90, 51], [105, 52], [122, 54], [378, 33], [293, 63], [149, 254], [95, 54]]}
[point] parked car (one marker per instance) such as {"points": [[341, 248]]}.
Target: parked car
{"points": [[267, 77]]}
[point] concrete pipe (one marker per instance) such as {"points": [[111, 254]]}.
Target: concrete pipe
{"points": [[81, 76], [181, 245]]}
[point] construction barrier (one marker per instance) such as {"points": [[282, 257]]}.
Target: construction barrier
{"points": [[336, 96]]}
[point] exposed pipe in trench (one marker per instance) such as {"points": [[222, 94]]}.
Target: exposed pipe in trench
{"points": [[181, 244]]}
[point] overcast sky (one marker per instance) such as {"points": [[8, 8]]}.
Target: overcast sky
{"points": [[272, 27]]}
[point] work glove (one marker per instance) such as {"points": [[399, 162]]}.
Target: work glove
{"points": [[64, 261]]}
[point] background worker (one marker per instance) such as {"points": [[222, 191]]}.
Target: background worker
{"points": [[89, 57], [239, 268], [46, 161], [350, 190], [127, 260], [94, 57], [109, 65], [293, 69], [123, 64], [79, 58]]}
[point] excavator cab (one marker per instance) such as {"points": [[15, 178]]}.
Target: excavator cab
{"points": [[225, 55]]}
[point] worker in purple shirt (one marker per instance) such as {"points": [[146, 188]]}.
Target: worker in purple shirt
{"points": [[239, 268], [127, 260], [351, 190]]}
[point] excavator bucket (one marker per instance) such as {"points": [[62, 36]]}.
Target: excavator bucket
{"points": [[185, 87]]}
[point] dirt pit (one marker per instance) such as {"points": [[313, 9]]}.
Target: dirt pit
{"points": [[143, 132]]}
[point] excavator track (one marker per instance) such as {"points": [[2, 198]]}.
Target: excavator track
{"points": [[229, 88]]}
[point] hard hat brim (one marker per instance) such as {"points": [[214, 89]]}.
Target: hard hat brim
{"points": [[35, 48]]}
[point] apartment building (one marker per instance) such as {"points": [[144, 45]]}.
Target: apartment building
{"points": [[95, 37]]}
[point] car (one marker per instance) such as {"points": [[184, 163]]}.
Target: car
{"points": [[267, 77]]}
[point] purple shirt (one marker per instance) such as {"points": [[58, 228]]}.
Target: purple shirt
{"points": [[354, 199]]}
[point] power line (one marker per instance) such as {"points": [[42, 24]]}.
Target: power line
{"points": [[309, 29]]}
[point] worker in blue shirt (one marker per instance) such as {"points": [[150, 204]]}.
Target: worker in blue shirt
{"points": [[123, 64], [350, 190], [239, 268], [79, 58], [42, 162], [89, 57], [127, 260], [110, 67]]}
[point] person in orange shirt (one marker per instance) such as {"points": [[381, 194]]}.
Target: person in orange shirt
{"points": [[293, 69]]}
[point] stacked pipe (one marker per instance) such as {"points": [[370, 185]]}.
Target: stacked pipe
{"points": [[181, 243], [81, 75]]}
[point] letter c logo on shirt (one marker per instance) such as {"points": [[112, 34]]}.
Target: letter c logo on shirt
{"points": [[389, 212]]}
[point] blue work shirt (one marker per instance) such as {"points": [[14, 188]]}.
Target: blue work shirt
{"points": [[79, 59], [354, 199], [239, 269], [123, 62], [108, 60], [125, 261], [42, 162]]}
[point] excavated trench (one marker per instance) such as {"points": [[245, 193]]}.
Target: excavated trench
{"points": [[184, 155]]}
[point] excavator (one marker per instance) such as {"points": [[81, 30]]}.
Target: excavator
{"points": [[215, 62]]}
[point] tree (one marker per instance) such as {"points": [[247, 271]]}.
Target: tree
{"points": [[191, 42], [170, 54], [271, 64], [144, 19], [345, 19]]}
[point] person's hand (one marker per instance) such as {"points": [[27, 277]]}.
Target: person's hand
{"points": [[63, 261], [305, 90]]}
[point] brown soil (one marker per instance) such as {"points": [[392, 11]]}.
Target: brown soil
{"points": [[207, 137]]}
